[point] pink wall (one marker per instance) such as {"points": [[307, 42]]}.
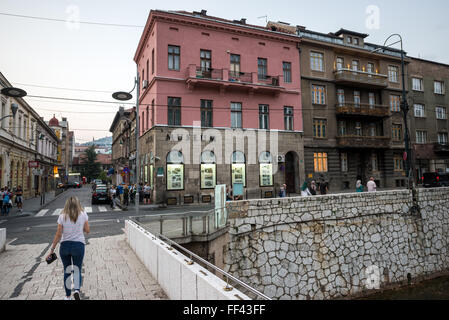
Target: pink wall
{"points": [[191, 40]]}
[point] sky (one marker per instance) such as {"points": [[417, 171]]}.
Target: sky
{"points": [[93, 61]]}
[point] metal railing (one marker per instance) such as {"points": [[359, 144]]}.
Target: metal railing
{"points": [[356, 141], [240, 76], [349, 75], [237, 284], [363, 109], [209, 73]]}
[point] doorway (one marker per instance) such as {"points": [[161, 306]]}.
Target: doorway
{"points": [[292, 172]]}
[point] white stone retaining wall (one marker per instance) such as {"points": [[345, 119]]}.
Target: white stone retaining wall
{"points": [[2, 240], [179, 280], [326, 247]]}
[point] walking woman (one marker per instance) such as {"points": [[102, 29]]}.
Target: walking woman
{"points": [[72, 223]]}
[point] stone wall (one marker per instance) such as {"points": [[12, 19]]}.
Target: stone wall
{"points": [[327, 247]]}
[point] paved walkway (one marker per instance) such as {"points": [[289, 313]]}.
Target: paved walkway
{"points": [[111, 271], [32, 205]]}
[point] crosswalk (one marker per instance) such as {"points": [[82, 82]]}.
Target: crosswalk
{"points": [[89, 210]]}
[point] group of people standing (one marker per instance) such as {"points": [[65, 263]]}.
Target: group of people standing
{"points": [[126, 194], [311, 189], [6, 198]]}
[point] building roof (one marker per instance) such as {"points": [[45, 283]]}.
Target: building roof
{"points": [[53, 122], [353, 33]]}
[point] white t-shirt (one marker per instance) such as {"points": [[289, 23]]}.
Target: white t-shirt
{"points": [[73, 231], [371, 185]]}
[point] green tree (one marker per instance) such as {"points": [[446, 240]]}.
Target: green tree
{"points": [[104, 177], [91, 168]]}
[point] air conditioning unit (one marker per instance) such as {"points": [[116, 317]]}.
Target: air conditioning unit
{"points": [[145, 84], [281, 158]]}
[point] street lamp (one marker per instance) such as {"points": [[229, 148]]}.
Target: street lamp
{"points": [[405, 109], [125, 96], [13, 93]]}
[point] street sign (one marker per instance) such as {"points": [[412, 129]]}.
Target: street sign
{"points": [[405, 156], [33, 164]]}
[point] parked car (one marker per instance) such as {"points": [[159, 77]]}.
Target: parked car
{"points": [[74, 184], [100, 195], [435, 179]]}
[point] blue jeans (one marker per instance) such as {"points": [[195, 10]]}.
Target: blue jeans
{"points": [[72, 253], [5, 209]]}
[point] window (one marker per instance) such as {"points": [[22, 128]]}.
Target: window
{"points": [[206, 113], [374, 163], [439, 87], [341, 128], [206, 60], [148, 118], [417, 84], [396, 132], [174, 111], [208, 170], [393, 73], [340, 63], [358, 129], [3, 112], [152, 61], [320, 162], [318, 94], [287, 66], [153, 121], [356, 41], [264, 117], [262, 68], [316, 61], [442, 138], [398, 162], [357, 99], [349, 40], [441, 113], [319, 128], [372, 130], [421, 136], [372, 100], [265, 169], [235, 65], [288, 118], [419, 111], [174, 53], [148, 67], [236, 115], [395, 103], [143, 77], [238, 168], [344, 162], [355, 65], [341, 97], [175, 171], [370, 68]]}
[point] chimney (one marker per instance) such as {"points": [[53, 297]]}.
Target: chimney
{"points": [[204, 12], [243, 21]]}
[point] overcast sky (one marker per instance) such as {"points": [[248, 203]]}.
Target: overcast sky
{"points": [[36, 53]]}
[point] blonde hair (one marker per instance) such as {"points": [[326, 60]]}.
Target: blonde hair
{"points": [[72, 209]]}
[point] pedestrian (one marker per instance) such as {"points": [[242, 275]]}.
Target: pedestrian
{"points": [[359, 186], [140, 190], [73, 222], [112, 194], [371, 185], [313, 188], [126, 195], [305, 192], [228, 194], [283, 191], [119, 192], [147, 193], [6, 202], [19, 193], [324, 189], [132, 194], [2, 194]]}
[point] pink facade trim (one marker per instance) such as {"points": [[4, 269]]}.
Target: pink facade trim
{"points": [[222, 39]]}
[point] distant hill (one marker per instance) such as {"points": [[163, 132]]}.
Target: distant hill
{"points": [[106, 141]]}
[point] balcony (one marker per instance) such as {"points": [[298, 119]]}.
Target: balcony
{"points": [[360, 78], [226, 80], [366, 110], [441, 147], [354, 141]]}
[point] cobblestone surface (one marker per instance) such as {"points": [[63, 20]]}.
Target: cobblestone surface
{"points": [[111, 271]]}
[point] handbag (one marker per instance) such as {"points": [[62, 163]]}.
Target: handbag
{"points": [[51, 258]]}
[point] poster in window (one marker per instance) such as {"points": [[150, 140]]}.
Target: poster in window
{"points": [[238, 173], [151, 176], [146, 174], [207, 176], [175, 176], [266, 175]]}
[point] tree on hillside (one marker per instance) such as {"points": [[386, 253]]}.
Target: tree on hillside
{"points": [[91, 168]]}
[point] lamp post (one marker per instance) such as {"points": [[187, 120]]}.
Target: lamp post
{"points": [[404, 109], [125, 96]]}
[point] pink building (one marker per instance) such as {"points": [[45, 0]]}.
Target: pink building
{"points": [[229, 76]]}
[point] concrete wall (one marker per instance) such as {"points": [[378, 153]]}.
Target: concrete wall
{"points": [[179, 280], [329, 246], [2, 240]]}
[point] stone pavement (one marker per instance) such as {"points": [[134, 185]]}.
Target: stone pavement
{"points": [[111, 271], [33, 205]]}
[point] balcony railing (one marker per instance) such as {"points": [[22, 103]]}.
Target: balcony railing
{"points": [[240, 76], [355, 141], [209, 73], [362, 109], [441, 147], [361, 78]]}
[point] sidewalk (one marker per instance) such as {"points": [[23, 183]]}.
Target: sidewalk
{"points": [[32, 205], [111, 271]]}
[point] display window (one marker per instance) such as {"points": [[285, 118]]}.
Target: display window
{"points": [[175, 171], [238, 168], [208, 170], [265, 169]]}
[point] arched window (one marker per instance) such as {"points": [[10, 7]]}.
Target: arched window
{"points": [[238, 168], [208, 170], [266, 169], [175, 171]]}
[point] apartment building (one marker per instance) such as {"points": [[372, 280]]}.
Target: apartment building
{"points": [[220, 103], [27, 147], [428, 82], [353, 127], [65, 147]]}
